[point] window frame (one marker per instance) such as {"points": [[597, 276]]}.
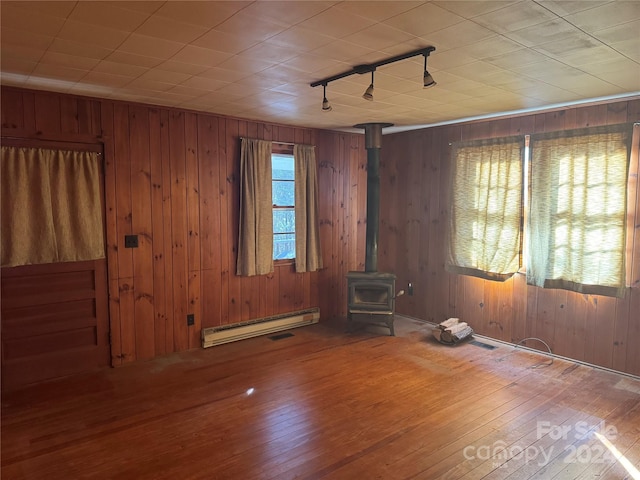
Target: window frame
{"points": [[632, 186], [278, 148]]}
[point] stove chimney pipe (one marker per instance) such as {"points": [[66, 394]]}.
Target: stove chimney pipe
{"points": [[373, 144]]}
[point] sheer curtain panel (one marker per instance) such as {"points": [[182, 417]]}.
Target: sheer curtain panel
{"points": [[577, 221], [51, 206], [484, 232]]}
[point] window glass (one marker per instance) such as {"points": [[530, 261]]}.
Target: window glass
{"points": [[284, 219]]}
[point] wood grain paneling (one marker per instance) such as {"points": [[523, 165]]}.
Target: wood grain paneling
{"points": [[172, 178], [599, 330], [54, 321]]}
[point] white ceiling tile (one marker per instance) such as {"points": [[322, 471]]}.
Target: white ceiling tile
{"points": [[620, 33], [241, 64], [19, 15], [281, 12], [150, 46], [58, 71], [262, 56], [107, 15], [515, 17], [250, 28], [200, 56], [72, 61], [27, 53], [158, 75], [181, 67], [557, 31], [449, 59], [269, 51], [119, 69], [308, 63], [16, 65], [470, 9], [223, 74], [578, 54], [170, 29], [377, 10], [301, 38], [133, 59], [424, 20], [208, 14], [492, 47], [460, 34], [80, 49], [516, 59], [225, 42], [203, 83], [346, 52], [108, 79], [606, 16], [14, 36], [53, 8], [566, 7], [84, 33], [336, 23], [378, 37]]}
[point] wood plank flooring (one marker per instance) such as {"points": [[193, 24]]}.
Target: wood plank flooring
{"points": [[327, 405]]}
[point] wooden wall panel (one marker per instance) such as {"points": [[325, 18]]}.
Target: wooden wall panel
{"points": [[142, 225], [595, 329], [172, 178]]}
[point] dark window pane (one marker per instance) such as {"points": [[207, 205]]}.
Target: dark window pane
{"points": [[284, 221]]}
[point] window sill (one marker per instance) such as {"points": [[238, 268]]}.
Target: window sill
{"points": [[282, 263]]}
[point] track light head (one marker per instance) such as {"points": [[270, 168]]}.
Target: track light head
{"points": [[326, 106], [427, 79], [368, 93]]}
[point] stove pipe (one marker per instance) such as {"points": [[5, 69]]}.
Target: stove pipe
{"points": [[373, 144]]}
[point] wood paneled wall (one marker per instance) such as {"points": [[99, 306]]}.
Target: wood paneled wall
{"points": [[171, 177], [415, 168]]}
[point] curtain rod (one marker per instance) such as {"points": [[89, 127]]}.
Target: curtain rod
{"points": [[276, 141], [272, 141]]}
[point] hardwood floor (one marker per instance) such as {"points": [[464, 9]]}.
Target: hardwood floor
{"points": [[328, 405]]}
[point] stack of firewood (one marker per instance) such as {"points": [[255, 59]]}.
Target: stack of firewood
{"points": [[452, 331]]}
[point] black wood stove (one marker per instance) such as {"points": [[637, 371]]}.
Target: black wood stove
{"points": [[371, 296]]}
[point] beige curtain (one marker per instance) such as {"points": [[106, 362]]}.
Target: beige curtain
{"points": [[484, 231], [308, 253], [255, 239], [577, 221], [50, 206]]}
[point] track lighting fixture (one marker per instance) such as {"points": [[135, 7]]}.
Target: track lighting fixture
{"points": [[427, 79], [326, 106], [368, 93]]}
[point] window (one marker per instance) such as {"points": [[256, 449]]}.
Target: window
{"points": [[577, 221], [486, 209], [573, 193], [284, 215]]}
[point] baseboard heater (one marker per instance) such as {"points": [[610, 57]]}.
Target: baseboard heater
{"points": [[262, 326]]}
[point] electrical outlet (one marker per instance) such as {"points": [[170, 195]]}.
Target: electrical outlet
{"points": [[131, 241], [191, 319]]}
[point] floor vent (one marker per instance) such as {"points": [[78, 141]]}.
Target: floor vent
{"points": [[281, 336], [483, 345], [263, 326]]}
